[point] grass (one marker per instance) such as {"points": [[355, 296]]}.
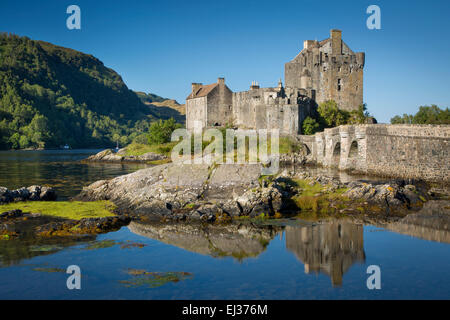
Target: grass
{"points": [[314, 202], [74, 210], [286, 145], [138, 149]]}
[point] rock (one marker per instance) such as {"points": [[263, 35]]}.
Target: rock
{"points": [[83, 226], [166, 190], [105, 155], [108, 155], [394, 193], [150, 156], [47, 194], [259, 201], [5, 195], [32, 193], [11, 214], [35, 192], [293, 158]]}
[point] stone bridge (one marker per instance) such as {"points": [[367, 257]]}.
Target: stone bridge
{"points": [[403, 151]]}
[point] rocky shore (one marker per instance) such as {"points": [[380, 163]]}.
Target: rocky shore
{"points": [[230, 191], [109, 155], [32, 193], [220, 194]]}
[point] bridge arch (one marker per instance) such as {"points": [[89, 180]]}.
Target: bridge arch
{"points": [[336, 155]]}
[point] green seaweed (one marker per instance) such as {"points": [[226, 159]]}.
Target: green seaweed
{"points": [[101, 244], [50, 269], [153, 279], [74, 210]]}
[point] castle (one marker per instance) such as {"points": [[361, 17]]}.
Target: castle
{"points": [[325, 70]]}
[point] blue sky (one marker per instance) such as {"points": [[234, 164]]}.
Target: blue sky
{"points": [[163, 46]]}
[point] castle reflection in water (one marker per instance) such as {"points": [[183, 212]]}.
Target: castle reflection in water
{"points": [[330, 248]]}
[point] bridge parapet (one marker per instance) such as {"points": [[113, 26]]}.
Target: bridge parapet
{"points": [[404, 151]]}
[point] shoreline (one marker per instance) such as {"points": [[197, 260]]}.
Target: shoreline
{"points": [[222, 194]]}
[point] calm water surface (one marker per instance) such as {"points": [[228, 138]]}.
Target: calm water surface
{"points": [[289, 260], [60, 169]]}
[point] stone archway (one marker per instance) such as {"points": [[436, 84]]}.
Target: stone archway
{"points": [[353, 152], [336, 155], [352, 157], [307, 150]]}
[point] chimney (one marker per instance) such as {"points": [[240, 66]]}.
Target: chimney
{"points": [[336, 41], [308, 44], [221, 81], [195, 87], [255, 85]]}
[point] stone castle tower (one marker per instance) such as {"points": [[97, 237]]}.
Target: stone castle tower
{"points": [[329, 68], [325, 70]]}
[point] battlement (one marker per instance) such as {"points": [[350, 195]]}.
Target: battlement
{"points": [[330, 68]]}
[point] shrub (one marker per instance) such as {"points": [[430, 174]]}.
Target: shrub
{"points": [[161, 131]]}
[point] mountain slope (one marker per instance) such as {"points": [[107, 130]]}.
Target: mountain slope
{"points": [[164, 108], [50, 95]]}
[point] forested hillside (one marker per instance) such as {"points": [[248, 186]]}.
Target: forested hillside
{"points": [[50, 96]]}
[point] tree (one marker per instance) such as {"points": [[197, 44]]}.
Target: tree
{"points": [[54, 95], [426, 115], [331, 115], [359, 116], [14, 141], [161, 131], [24, 142], [310, 126]]}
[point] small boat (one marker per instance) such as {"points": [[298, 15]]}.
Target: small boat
{"points": [[66, 147]]}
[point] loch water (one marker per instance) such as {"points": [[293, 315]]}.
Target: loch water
{"points": [[285, 259]]}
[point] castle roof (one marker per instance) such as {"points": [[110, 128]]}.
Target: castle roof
{"points": [[202, 91]]}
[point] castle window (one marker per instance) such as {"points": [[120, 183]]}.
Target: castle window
{"points": [[339, 84]]}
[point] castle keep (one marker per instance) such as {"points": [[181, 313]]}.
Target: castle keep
{"points": [[322, 71]]}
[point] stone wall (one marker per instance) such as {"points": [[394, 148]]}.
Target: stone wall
{"points": [[196, 112], [219, 106], [404, 151]]}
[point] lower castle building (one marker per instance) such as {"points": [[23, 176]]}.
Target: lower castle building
{"points": [[325, 70]]}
